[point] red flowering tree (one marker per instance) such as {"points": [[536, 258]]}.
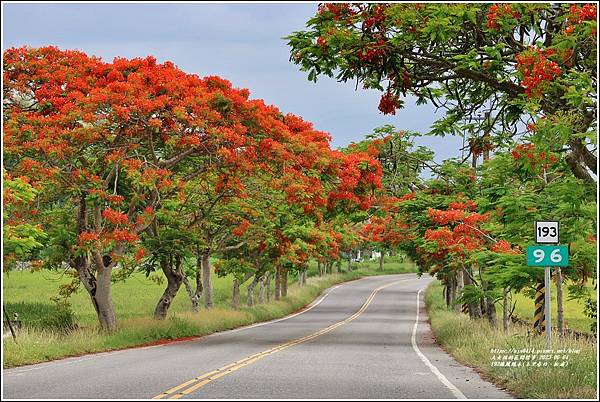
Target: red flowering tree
{"points": [[519, 60], [115, 140], [387, 230]]}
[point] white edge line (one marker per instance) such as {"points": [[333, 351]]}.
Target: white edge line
{"points": [[455, 391]]}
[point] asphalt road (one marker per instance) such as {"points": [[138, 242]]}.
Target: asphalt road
{"points": [[357, 341]]}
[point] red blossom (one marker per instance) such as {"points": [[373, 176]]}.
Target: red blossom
{"points": [[389, 103], [241, 229], [139, 254], [115, 217], [578, 14], [86, 237], [123, 235], [502, 246], [529, 156], [499, 11], [537, 70]]}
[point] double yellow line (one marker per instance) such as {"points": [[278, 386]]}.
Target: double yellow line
{"points": [[200, 381]]}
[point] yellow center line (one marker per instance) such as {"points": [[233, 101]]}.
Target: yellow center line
{"points": [[200, 381]]}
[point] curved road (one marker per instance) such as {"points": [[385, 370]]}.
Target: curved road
{"points": [[362, 339]]}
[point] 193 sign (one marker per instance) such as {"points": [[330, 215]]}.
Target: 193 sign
{"points": [[546, 232]]}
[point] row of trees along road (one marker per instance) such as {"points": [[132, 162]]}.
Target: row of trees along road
{"points": [[135, 164], [530, 70]]}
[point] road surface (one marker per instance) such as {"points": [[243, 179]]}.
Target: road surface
{"points": [[362, 339]]}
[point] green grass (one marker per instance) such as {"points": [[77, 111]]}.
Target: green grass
{"points": [[136, 297], [44, 315], [470, 342], [573, 310], [135, 300]]}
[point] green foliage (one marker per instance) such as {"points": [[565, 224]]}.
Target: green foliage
{"points": [[430, 51], [591, 310], [20, 238]]}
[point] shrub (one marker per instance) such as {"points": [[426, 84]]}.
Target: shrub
{"points": [[43, 316]]}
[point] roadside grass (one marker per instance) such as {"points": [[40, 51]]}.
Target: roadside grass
{"points": [[135, 300], [471, 342]]}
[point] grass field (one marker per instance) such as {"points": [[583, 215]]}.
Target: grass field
{"points": [[137, 296], [573, 310], [471, 342], [135, 300]]}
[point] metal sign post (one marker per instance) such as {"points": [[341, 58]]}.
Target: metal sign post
{"points": [[548, 255], [548, 310]]}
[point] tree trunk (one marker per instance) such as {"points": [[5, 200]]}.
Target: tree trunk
{"points": [[338, 266], [284, 283], [192, 295], [350, 263], [199, 287], [453, 290], [97, 287], [460, 280], [319, 268], [460, 284], [235, 297], [302, 278], [491, 311], [81, 264], [489, 304], [474, 307], [581, 158], [448, 292], [483, 307], [277, 283], [381, 261], [578, 170], [174, 279], [559, 302], [250, 300], [106, 310], [207, 281], [505, 312], [261, 290], [268, 286], [196, 294]]}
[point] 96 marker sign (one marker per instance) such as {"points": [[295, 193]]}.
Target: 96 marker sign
{"points": [[548, 256]]}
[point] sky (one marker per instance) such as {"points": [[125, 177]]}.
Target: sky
{"points": [[242, 43]]}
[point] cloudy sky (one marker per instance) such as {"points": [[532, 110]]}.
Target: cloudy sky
{"points": [[240, 42]]}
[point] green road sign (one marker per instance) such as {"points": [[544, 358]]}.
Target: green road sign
{"points": [[547, 256]]}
